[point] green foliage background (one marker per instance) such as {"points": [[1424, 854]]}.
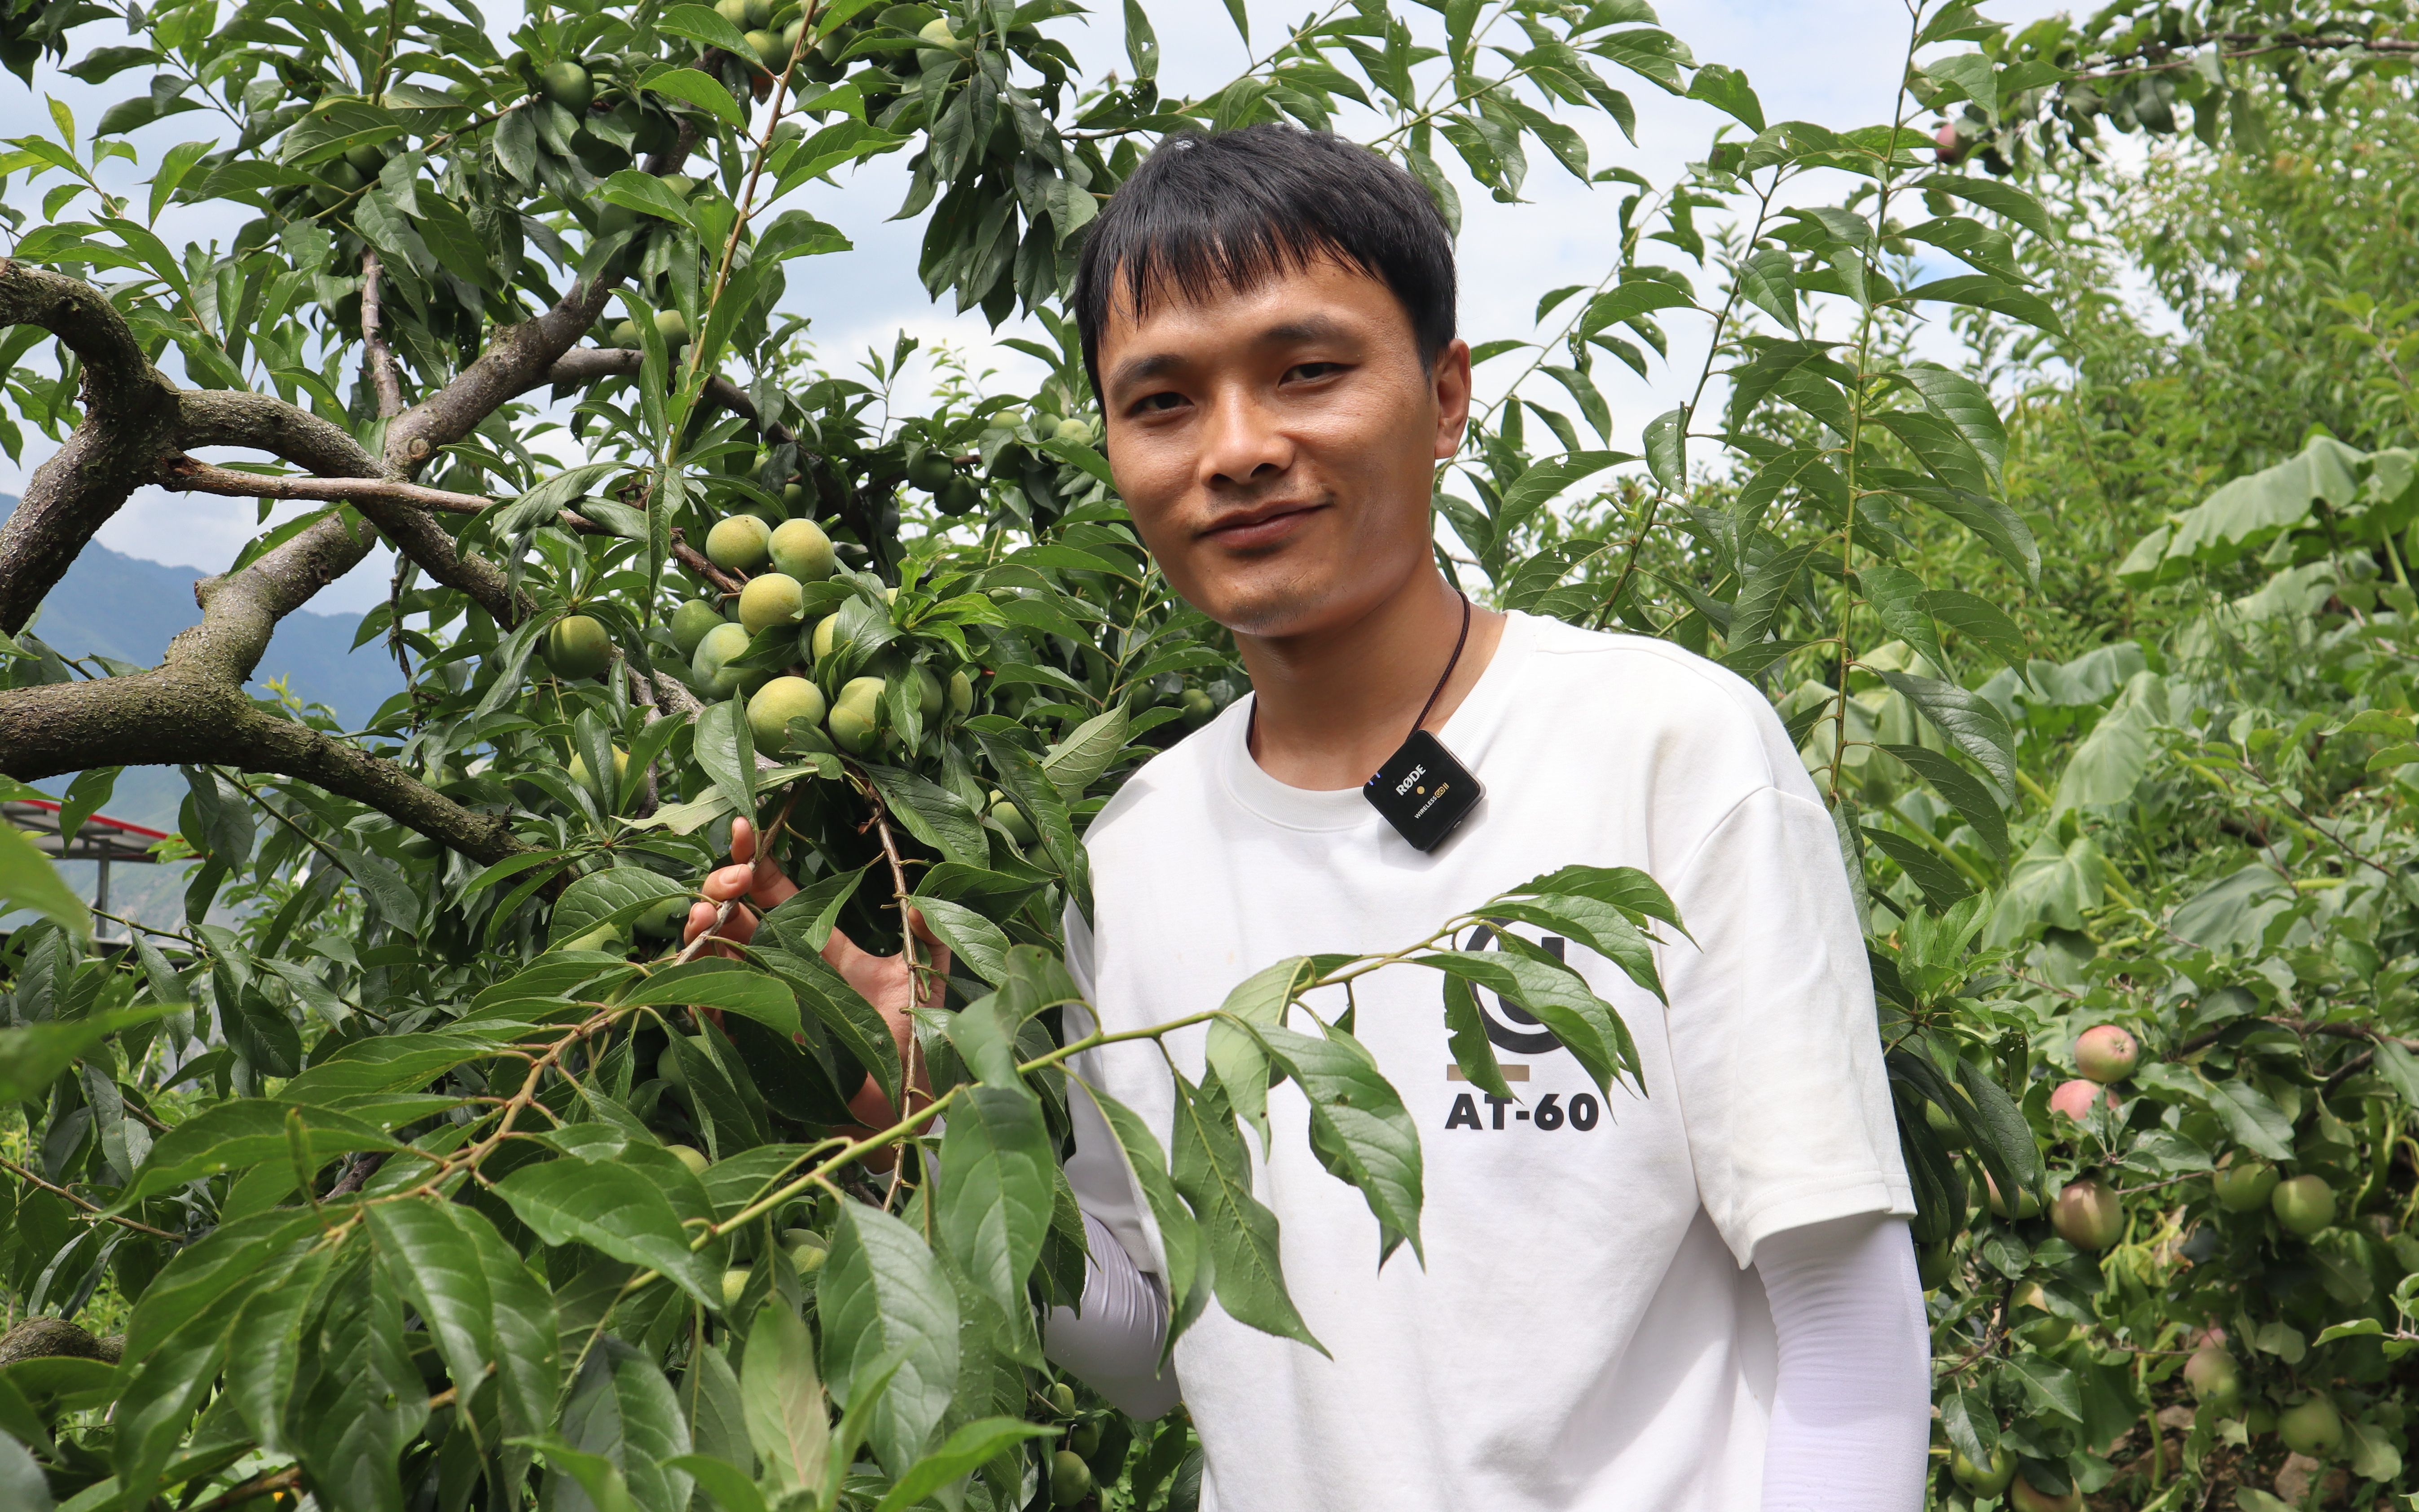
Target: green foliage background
{"points": [[2095, 634]]}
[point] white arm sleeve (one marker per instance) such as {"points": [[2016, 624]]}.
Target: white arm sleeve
{"points": [[1113, 1344], [1852, 1411]]}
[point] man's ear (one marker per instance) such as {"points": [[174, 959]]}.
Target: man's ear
{"points": [[1449, 382]]}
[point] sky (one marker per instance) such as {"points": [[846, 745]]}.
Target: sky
{"points": [[1834, 62]]}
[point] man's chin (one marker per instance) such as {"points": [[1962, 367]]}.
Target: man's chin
{"points": [[1282, 605]]}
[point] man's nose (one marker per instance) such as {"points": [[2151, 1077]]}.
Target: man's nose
{"points": [[1243, 443]]}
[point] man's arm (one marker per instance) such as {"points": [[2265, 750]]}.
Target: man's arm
{"points": [[1112, 1344], [1852, 1410]]}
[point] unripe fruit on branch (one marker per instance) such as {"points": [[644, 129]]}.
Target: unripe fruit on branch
{"points": [[769, 599], [2046, 1331], [603, 937], [1199, 708], [961, 694], [692, 1157], [2303, 1205], [928, 695], [2311, 1428], [626, 335], [2074, 1099], [1933, 1265], [735, 1286], [1062, 1399], [1084, 1438], [621, 767], [1011, 818], [2215, 1380], [722, 645], [768, 50], [690, 621], [733, 12], [821, 643], [673, 326], [1981, 1480], [856, 717], [800, 548], [2028, 1204], [663, 920], [2107, 1053], [960, 495], [577, 646], [2243, 1185], [930, 471], [775, 704], [739, 542], [1942, 1123], [2088, 1215], [568, 84], [937, 32], [2024, 1498], [367, 158], [1073, 430], [2259, 1420], [1071, 1480]]}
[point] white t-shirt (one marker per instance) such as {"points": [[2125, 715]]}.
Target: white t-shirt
{"points": [[1585, 1336]]}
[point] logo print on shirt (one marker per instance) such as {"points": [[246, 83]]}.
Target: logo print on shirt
{"points": [[1509, 1025]]}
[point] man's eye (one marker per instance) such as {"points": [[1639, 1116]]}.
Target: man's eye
{"points": [[1306, 372], [1157, 402]]}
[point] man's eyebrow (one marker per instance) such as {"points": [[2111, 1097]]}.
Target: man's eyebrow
{"points": [[1143, 369], [1284, 333]]}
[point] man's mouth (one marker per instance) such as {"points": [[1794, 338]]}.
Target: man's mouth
{"points": [[1263, 525]]}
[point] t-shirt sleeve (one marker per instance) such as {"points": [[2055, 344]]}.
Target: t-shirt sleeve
{"points": [[1775, 1043], [1097, 1172]]}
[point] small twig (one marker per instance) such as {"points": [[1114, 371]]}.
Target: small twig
{"points": [[375, 355], [269, 1483], [92, 1209], [694, 561], [186, 474]]}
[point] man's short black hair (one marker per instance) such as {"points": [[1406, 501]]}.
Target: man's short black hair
{"points": [[1207, 214]]}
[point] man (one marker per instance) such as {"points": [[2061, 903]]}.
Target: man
{"points": [[1703, 1299]]}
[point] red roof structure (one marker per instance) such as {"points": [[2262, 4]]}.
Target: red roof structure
{"points": [[100, 838]]}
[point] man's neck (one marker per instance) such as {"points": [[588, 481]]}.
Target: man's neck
{"points": [[1332, 705]]}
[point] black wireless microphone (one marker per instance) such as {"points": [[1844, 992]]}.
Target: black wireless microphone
{"points": [[1422, 790]]}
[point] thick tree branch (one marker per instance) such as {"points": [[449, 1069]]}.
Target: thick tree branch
{"points": [[187, 475], [515, 363], [128, 420]]}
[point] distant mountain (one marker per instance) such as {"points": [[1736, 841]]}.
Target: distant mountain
{"points": [[113, 605]]}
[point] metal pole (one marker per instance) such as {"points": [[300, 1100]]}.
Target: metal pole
{"points": [[100, 900]]}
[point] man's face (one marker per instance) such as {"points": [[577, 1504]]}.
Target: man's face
{"points": [[1276, 446]]}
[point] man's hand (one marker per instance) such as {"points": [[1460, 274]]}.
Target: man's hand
{"points": [[754, 885]]}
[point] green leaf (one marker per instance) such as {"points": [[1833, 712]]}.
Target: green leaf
{"points": [[1558, 999], [1214, 1176], [1358, 1128], [28, 880], [707, 28], [240, 1134], [2053, 1385], [932, 815], [1076, 763], [390, 1063], [1545, 480], [1142, 43], [1466, 1036], [1667, 449], [34, 1056], [996, 1189], [807, 918], [1943, 885], [437, 1267], [1179, 1235], [1985, 293], [613, 1209], [1978, 620], [1726, 89], [966, 1451], [1998, 196], [1592, 922], [1625, 888], [782, 1398], [1965, 791], [972, 940], [1234, 1053], [701, 89], [525, 1327], [722, 984], [2254, 1122], [623, 1412], [726, 750], [1896, 596], [884, 1304], [1972, 722], [1965, 405], [610, 899]]}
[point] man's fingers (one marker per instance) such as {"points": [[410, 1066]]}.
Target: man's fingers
{"points": [[743, 841], [726, 883], [939, 955], [741, 926]]}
